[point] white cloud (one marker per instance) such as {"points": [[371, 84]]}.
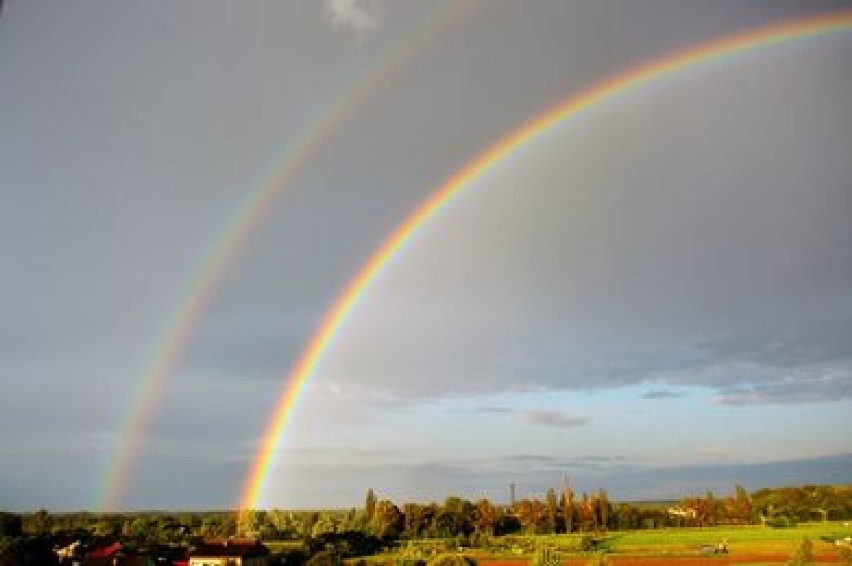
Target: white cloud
{"points": [[361, 18]]}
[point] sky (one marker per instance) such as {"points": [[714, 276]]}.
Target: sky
{"points": [[654, 298]]}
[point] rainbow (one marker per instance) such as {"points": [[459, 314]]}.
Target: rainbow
{"points": [[217, 259], [346, 303]]}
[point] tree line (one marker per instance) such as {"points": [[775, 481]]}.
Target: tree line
{"points": [[382, 522]]}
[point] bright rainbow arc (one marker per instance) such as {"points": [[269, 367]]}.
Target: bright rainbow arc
{"points": [[219, 257], [347, 301]]}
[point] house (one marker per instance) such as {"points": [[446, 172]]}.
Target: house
{"points": [[104, 556], [230, 553]]}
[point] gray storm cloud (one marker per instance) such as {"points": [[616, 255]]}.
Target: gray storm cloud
{"points": [[693, 237], [689, 238]]}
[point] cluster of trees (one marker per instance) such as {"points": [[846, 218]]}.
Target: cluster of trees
{"points": [[558, 512], [805, 503], [380, 522], [20, 547]]}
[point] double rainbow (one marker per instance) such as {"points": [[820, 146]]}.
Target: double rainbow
{"points": [[443, 196], [199, 293]]}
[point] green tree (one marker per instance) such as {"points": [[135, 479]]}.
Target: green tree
{"points": [[11, 525], [485, 517], [370, 504], [531, 514], [551, 511], [603, 509], [42, 523], [387, 522], [568, 512]]}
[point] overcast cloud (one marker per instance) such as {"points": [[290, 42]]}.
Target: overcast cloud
{"points": [[674, 260]]}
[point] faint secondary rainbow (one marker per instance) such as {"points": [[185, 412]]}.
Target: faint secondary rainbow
{"points": [[238, 229], [600, 93]]}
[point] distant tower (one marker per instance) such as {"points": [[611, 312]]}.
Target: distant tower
{"points": [[512, 495]]}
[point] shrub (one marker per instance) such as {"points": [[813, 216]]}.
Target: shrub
{"points": [[781, 522]]}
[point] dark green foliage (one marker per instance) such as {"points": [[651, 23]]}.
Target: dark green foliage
{"points": [[292, 557], [11, 525], [27, 551], [804, 503], [781, 522], [347, 544]]}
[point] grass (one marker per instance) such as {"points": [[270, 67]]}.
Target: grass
{"points": [[748, 538], [741, 540]]}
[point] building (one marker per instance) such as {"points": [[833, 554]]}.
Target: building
{"points": [[230, 553]]}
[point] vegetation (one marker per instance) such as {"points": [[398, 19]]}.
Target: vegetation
{"points": [[783, 521]]}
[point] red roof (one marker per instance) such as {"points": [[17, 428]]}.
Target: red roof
{"points": [[106, 551]]}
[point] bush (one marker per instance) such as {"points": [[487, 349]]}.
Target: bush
{"points": [[781, 522]]}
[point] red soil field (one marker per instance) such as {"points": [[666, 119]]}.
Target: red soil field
{"points": [[715, 560]]}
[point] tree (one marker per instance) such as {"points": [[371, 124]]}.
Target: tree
{"points": [[743, 510], [603, 509], [588, 514], [42, 522], [531, 514], [370, 504], [551, 504], [10, 524], [456, 517], [485, 517], [387, 522], [568, 507]]}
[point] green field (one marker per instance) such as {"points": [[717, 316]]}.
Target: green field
{"points": [[740, 540], [749, 538]]}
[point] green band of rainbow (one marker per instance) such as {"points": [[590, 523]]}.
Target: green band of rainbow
{"points": [[574, 105], [198, 295]]}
